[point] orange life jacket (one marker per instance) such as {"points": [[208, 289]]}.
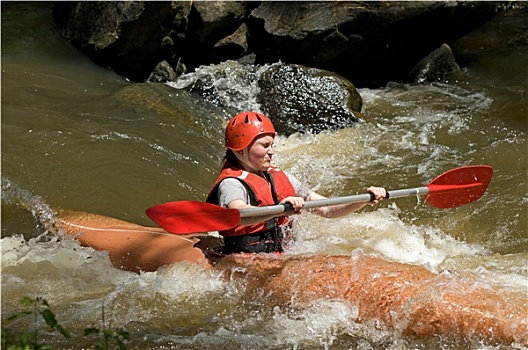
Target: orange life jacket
{"points": [[260, 192]]}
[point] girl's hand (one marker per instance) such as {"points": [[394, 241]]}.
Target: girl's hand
{"points": [[296, 202], [379, 194]]}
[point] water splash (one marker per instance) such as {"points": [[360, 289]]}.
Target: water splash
{"points": [[230, 85], [12, 194]]}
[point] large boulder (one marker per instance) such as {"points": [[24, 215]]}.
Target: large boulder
{"points": [[301, 98], [295, 97], [131, 37], [369, 43]]}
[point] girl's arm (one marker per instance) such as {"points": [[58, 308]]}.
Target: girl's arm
{"points": [[336, 211]]}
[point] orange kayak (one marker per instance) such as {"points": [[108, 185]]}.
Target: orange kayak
{"points": [[402, 298], [130, 246]]}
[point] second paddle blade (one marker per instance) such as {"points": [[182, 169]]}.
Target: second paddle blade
{"points": [[186, 217], [459, 186]]}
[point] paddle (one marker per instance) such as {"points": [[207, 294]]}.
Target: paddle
{"points": [[453, 188]]}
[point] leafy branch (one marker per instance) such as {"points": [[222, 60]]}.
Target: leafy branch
{"points": [[28, 340]]}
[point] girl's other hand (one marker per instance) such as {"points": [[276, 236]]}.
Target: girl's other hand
{"points": [[379, 194]]}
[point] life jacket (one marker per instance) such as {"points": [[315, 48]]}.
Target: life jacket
{"points": [[260, 193]]}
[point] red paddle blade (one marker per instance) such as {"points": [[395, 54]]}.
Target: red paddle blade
{"points": [[459, 186], [192, 216]]}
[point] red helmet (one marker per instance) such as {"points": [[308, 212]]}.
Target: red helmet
{"points": [[244, 127]]}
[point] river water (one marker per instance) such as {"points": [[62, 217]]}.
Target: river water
{"points": [[77, 136]]}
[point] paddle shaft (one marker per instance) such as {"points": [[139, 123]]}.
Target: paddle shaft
{"points": [[451, 189], [360, 198]]}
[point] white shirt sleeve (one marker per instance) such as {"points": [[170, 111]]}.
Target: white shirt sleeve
{"points": [[229, 190]]}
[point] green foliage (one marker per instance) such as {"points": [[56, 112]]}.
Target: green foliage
{"points": [[109, 336], [28, 340], [116, 336]]}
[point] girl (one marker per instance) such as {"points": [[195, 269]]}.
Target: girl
{"points": [[248, 179]]}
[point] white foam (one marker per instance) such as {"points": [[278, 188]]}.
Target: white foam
{"points": [[380, 232]]}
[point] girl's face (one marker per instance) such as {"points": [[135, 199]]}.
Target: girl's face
{"points": [[260, 152]]}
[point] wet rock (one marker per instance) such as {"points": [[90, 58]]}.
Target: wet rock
{"points": [[165, 73], [369, 43], [162, 73], [130, 37], [295, 97], [217, 31], [439, 65], [214, 20], [232, 46], [97, 23], [299, 98]]}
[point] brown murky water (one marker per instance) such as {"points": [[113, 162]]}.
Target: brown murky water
{"points": [[75, 136]]}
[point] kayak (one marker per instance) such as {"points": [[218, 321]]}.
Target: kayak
{"points": [[130, 246], [399, 297], [402, 298]]}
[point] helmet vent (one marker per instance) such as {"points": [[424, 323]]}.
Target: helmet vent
{"points": [[246, 120]]}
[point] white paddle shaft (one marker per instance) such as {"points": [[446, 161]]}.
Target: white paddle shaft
{"points": [[360, 198]]}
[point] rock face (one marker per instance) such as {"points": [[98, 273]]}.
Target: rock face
{"points": [[129, 37], [369, 43]]}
